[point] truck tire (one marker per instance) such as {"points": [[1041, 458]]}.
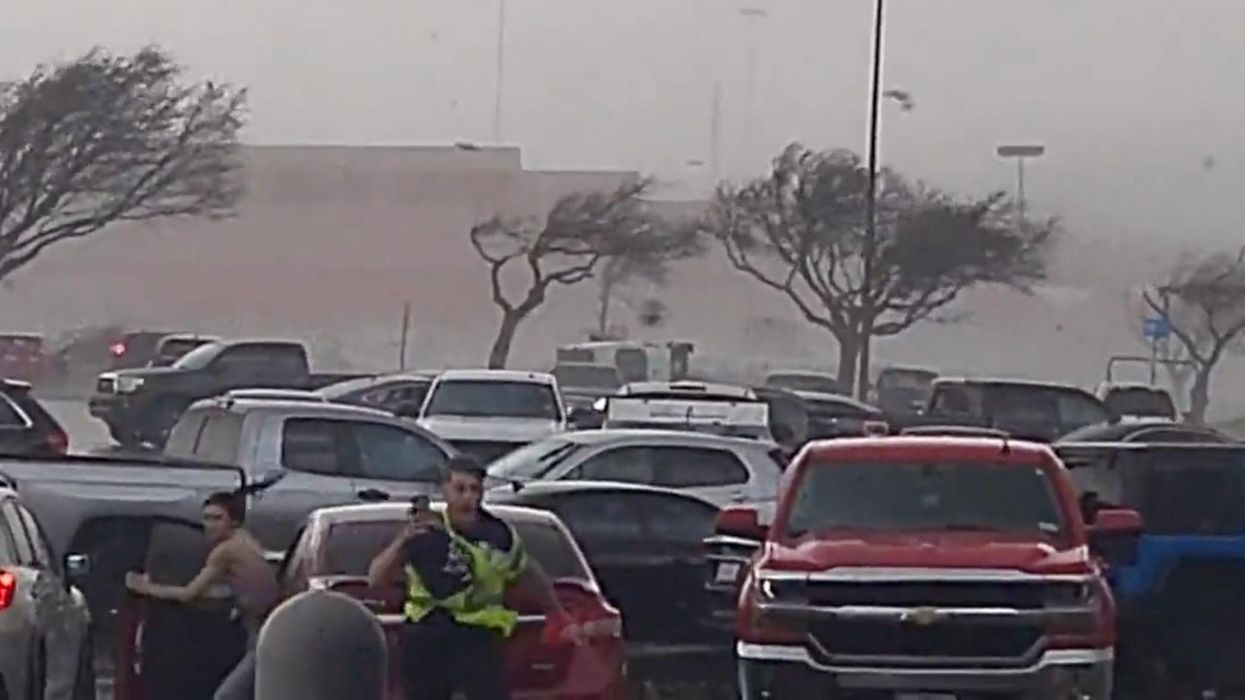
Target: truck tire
{"points": [[124, 436]]}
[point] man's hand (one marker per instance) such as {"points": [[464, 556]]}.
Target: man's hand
{"points": [[138, 582]]}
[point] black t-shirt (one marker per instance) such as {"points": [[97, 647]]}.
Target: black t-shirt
{"points": [[443, 566]]}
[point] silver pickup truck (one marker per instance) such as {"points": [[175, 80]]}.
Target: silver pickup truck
{"points": [[290, 456]]}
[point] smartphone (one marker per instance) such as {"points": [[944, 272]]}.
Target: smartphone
{"points": [[420, 507]]}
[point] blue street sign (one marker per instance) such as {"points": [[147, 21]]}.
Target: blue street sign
{"points": [[1157, 328]]}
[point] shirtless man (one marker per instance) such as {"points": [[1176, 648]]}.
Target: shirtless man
{"points": [[237, 560]]}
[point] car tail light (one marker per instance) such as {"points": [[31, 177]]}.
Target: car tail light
{"points": [[117, 349], [1092, 627], [8, 588], [757, 626], [58, 442]]}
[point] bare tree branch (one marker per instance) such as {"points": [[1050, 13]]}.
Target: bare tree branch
{"points": [[104, 139], [799, 231], [566, 248]]}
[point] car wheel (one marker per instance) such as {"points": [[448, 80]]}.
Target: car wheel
{"points": [[84, 684]]}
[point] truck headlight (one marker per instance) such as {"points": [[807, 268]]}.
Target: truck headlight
{"points": [[129, 385]]}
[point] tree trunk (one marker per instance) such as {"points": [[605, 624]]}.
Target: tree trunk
{"points": [[849, 356], [604, 297], [1199, 397], [500, 353]]}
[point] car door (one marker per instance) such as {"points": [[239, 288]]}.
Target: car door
{"points": [[395, 463], [62, 611], [675, 527], [318, 459], [716, 475]]}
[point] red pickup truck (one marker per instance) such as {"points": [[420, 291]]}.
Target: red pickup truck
{"points": [[927, 568]]}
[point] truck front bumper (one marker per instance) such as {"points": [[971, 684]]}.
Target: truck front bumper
{"points": [[779, 672]]}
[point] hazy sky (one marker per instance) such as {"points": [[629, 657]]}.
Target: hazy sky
{"points": [[1130, 96]]}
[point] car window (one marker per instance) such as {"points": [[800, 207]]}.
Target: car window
{"points": [[176, 552], [219, 439], [952, 401], [25, 551], [671, 518], [38, 540], [598, 519], [8, 544], [689, 467], [388, 452], [10, 415], [493, 399], [625, 464], [185, 434], [1077, 411], [317, 446]]}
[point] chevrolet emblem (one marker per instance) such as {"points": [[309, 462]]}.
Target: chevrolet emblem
{"points": [[922, 616]]}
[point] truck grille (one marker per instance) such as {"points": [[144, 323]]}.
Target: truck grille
{"points": [[978, 594], [485, 451], [106, 385], [949, 640]]}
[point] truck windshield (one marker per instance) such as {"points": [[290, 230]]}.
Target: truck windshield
{"points": [[200, 357], [493, 399], [924, 497]]}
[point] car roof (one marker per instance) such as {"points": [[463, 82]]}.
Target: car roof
{"points": [[397, 510], [540, 488], [497, 375], [801, 373], [640, 435], [1012, 382], [685, 388], [303, 407], [348, 385], [955, 447], [1128, 431]]}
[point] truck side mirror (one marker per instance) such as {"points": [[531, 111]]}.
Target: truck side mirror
{"points": [[1114, 535]]}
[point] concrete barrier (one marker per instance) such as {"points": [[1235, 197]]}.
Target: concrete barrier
{"points": [[321, 646]]}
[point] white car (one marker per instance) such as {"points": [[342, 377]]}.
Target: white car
{"points": [[720, 470], [486, 413], [45, 644]]}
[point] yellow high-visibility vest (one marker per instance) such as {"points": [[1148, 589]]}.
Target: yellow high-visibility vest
{"points": [[483, 603]]}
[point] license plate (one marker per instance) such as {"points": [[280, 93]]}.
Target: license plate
{"points": [[727, 573], [924, 696]]}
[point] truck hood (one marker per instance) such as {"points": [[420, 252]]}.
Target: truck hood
{"points": [[929, 551], [500, 429], [155, 373]]}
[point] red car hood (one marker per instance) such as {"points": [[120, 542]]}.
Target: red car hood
{"points": [[939, 550]]}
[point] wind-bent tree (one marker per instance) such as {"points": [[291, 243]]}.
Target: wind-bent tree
{"points": [[106, 138], [578, 235], [801, 232], [650, 261], [1203, 300]]}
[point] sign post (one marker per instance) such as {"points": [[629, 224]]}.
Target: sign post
{"points": [[1156, 329]]}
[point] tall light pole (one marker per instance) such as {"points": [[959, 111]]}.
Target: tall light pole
{"points": [[1021, 152], [500, 69], [869, 249], [753, 15]]}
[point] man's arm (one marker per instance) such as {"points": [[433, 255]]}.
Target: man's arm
{"points": [[386, 568], [213, 571]]}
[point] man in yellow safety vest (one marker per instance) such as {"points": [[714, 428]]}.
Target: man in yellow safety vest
{"points": [[455, 568]]}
